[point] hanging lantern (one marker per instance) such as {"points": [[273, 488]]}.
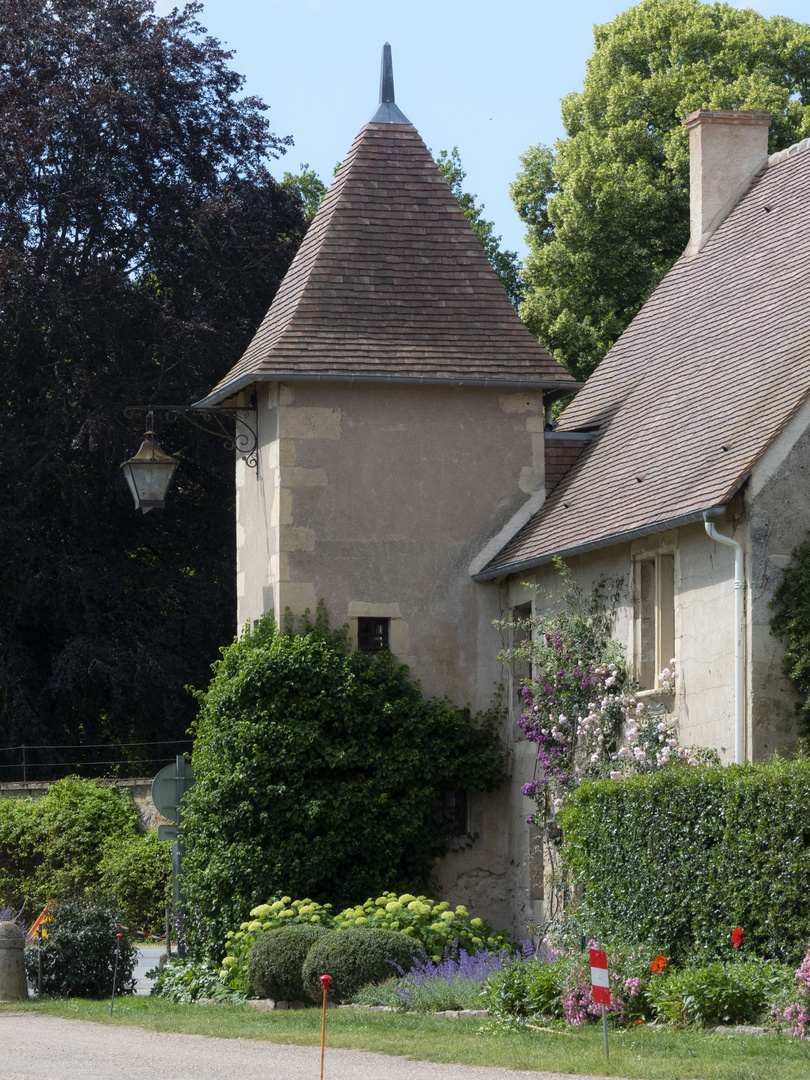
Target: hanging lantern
{"points": [[149, 474]]}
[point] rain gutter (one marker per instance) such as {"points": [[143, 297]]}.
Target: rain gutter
{"points": [[557, 389], [606, 541]]}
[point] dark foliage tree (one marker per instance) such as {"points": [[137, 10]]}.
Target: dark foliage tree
{"points": [[607, 208], [141, 241]]}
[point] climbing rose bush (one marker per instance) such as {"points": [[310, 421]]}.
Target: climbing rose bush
{"points": [[580, 707]]}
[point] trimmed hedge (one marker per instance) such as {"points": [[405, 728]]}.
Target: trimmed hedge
{"points": [[682, 857], [276, 960], [355, 958]]}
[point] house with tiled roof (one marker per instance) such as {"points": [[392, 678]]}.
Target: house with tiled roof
{"points": [[409, 473], [401, 406], [688, 450]]}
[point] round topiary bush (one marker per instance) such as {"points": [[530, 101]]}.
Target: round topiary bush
{"points": [[276, 959], [355, 958]]}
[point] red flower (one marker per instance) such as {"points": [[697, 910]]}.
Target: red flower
{"points": [[737, 937], [658, 964]]}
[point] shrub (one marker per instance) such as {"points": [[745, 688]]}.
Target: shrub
{"points": [[276, 960], [732, 993], [51, 847], [355, 958], [435, 928], [136, 872], [183, 981], [686, 855], [316, 771], [78, 955], [273, 915], [528, 987]]}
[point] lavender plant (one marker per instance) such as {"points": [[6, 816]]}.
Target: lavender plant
{"points": [[456, 981]]}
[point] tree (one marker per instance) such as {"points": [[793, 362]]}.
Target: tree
{"points": [[141, 241], [505, 263], [308, 186], [316, 775], [607, 208]]}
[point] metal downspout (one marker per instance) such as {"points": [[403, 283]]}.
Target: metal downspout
{"points": [[739, 581]]}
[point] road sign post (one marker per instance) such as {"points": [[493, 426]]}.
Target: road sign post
{"points": [[168, 789]]}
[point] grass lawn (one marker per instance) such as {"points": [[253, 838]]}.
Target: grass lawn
{"points": [[639, 1053]]}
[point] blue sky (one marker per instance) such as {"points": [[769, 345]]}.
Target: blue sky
{"points": [[482, 76]]}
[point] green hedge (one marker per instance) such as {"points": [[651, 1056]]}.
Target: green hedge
{"points": [[680, 858]]}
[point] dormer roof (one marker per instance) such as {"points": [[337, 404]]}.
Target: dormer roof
{"points": [[391, 284]]}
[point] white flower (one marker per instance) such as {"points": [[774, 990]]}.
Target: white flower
{"points": [[616, 775]]}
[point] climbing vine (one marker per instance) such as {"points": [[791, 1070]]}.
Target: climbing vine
{"points": [[791, 601]]}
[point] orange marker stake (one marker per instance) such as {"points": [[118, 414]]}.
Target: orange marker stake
{"points": [[325, 981]]}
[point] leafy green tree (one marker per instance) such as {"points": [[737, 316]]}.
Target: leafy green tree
{"points": [[607, 208], [506, 264], [316, 775], [308, 186], [82, 838], [141, 241]]}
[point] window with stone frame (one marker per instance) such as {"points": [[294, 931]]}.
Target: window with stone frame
{"points": [[653, 616]]}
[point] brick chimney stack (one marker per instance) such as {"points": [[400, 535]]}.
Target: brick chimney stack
{"points": [[727, 148]]}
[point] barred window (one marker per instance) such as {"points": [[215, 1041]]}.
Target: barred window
{"points": [[372, 634]]}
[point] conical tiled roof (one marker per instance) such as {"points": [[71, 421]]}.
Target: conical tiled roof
{"points": [[391, 284]]}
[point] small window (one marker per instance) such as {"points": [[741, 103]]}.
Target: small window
{"points": [[372, 634], [521, 670], [654, 604], [451, 809]]}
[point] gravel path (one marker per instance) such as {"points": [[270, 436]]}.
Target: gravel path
{"points": [[51, 1048]]}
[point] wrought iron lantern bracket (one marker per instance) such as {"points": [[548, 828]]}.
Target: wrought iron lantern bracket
{"points": [[214, 420]]}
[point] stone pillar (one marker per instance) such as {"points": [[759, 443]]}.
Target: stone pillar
{"points": [[13, 984]]}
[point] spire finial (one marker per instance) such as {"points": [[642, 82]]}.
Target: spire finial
{"points": [[387, 112], [386, 76]]}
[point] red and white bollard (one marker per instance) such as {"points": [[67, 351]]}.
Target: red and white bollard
{"points": [[600, 987]]}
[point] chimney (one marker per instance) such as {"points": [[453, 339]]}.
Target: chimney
{"points": [[727, 148]]}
